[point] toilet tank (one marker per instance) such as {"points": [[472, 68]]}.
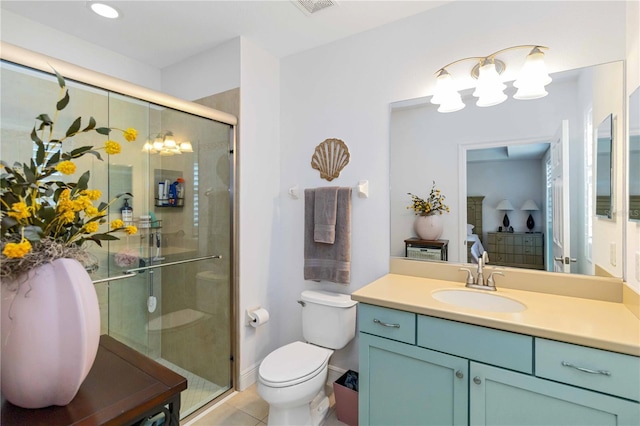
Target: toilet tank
{"points": [[328, 319]]}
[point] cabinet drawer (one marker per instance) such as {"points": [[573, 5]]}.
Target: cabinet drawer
{"points": [[603, 371], [389, 323], [495, 347]]}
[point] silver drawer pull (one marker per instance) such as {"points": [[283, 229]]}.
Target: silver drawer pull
{"points": [[377, 321], [586, 370]]}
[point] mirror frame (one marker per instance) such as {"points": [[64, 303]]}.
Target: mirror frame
{"points": [[634, 173], [604, 145]]}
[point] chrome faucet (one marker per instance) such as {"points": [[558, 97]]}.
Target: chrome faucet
{"points": [[480, 275], [478, 282]]}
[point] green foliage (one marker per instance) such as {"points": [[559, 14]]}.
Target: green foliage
{"points": [[35, 207]]}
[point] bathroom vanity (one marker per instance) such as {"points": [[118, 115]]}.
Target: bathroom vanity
{"points": [[561, 360]]}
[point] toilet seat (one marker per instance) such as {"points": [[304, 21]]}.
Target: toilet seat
{"points": [[294, 363]]}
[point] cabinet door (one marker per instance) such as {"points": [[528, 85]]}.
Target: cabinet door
{"points": [[402, 384], [503, 397]]}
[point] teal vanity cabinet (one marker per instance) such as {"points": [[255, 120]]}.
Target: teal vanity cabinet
{"points": [[502, 397], [416, 369], [401, 383]]}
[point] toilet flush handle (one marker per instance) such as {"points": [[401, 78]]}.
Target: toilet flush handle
{"points": [[301, 302]]}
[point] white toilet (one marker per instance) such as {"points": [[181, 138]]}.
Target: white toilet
{"points": [[292, 378]]}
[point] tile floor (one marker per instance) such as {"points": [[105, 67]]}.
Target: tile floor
{"points": [[247, 409], [198, 390]]}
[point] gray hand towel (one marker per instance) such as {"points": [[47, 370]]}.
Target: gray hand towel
{"points": [[328, 262], [324, 214]]}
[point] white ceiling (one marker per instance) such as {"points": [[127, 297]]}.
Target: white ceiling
{"points": [[161, 33]]}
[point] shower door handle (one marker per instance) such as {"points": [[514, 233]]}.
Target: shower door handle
{"points": [[177, 262], [118, 277]]}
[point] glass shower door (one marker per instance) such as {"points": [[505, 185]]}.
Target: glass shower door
{"points": [[177, 309]]}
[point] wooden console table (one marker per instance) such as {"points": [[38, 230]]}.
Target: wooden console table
{"points": [[426, 249], [123, 388]]}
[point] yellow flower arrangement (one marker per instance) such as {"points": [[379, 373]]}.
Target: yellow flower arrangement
{"points": [[42, 218], [432, 205]]}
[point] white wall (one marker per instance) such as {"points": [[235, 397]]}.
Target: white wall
{"points": [[517, 181], [48, 41], [214, 71], [605, 231], [260, 224]]}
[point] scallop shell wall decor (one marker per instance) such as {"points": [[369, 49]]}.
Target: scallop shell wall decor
{"points": [[329, 158]]}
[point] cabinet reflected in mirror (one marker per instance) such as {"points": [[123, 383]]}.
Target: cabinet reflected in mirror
{"points": [[634, 155], [604, 167]]}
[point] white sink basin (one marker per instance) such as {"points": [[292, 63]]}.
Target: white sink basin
{"points": [[478, 300]]}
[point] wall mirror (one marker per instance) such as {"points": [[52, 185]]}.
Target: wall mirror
{"points": [[604, 165], [476, 156], [634, 155]]}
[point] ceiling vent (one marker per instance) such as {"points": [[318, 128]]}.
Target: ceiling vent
{"points": [[313, 6]]}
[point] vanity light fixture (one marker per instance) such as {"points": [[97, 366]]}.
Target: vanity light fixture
{"points": [[530, 206], [104, 10], [489, 87], [164, 143], [505, 205]]}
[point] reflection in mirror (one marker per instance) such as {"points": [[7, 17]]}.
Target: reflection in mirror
{"points": [[523, 167], [634, 155], [426, 145], [603, 167]]}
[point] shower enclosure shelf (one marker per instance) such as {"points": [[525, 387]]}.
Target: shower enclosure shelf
{"points": [[160, 203]]}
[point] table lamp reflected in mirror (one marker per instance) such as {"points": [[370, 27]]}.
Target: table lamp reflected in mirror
{"points": [[530, 206], [505, 205]]}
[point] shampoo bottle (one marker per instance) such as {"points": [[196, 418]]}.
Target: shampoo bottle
{"points": [[127, 213]]}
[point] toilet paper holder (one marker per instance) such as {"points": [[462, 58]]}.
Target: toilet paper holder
{"points": [[256, 317]]}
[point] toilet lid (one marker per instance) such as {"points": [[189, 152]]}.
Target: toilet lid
{"points": [[293, 363]]}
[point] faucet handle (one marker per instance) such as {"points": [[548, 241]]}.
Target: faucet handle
{"points": [[470, 279], [491, 282]]}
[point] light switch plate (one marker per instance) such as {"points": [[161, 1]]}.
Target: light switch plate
{"points": [[638, 266]]}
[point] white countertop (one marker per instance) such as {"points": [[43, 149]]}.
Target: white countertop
{"points": [[599, 324]]}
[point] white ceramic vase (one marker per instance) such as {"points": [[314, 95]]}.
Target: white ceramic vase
{"points": [[50, 334], [428, 227]]}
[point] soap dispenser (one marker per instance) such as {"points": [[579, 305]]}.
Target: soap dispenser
{"points": [[127, 213]]}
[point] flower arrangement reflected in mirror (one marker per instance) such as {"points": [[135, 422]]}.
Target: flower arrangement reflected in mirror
{"points": [[427, 224], [434, 204], [44, 217]]}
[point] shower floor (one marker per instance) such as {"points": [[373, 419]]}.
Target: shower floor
{"points": [[199, 391]]}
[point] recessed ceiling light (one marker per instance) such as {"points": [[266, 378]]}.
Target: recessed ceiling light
{"points": [[104, 10]]}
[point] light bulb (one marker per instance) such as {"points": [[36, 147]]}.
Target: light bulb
{"points": [[533, 77], [445, 94], [490, 88], [186, 147], [169, 142], [104, 10]]}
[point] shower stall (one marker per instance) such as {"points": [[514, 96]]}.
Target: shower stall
{"points": [[168, 290]]}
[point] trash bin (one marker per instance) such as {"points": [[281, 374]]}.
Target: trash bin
{"points": [[345, 390]]}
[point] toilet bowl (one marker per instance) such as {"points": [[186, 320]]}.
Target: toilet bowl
{"points": [[291, 379]]}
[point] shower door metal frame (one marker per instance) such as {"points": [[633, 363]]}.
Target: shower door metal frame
{"points": [[18, 55]]}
